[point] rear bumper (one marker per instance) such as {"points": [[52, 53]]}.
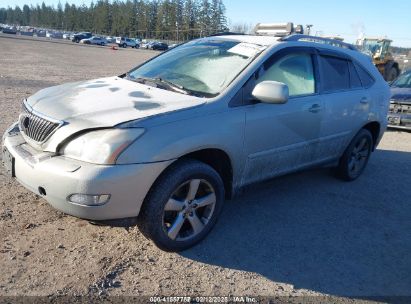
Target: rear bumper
{"points": [[61, 177]]}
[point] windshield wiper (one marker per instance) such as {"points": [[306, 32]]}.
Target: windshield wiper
{"points": [[176, 87], [165, 84], [168, 85], [185, 90]]}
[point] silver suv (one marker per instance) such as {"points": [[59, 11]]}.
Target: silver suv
{"points": [[126, 42], [170, 140]]}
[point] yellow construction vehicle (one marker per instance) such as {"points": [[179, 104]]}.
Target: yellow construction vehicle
{"points": [[379, 50]]}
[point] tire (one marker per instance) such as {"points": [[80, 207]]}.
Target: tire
{"points": [[356, 156], [391, 74], [124, 45], [171, 213]]}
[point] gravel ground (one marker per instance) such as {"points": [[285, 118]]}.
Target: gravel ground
{"points": [[300, 235]]}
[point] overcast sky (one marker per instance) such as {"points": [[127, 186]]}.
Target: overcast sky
{"points": [[347, 18]]}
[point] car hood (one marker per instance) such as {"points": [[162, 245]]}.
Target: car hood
{"points": [[107, 101], [104, 102], [402, 95]]}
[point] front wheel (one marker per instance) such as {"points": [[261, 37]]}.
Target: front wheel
{"points": [[356, 156], [183, 205]]}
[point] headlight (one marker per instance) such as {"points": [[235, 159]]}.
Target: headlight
{"points": [[102, 146]]}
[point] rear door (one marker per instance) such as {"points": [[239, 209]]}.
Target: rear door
{"points": [[280, 138], [346, 103]]}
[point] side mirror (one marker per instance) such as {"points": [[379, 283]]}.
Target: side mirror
{"points": [[271, 92]]}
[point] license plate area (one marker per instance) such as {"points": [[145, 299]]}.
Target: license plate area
{"points": [[394, 119], [8, 162]]}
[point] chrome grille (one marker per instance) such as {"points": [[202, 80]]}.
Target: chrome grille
{"points": [[36, 126]]}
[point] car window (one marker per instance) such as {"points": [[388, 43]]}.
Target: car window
{"points": [[296, 71], [403, 81], [366, 79], [335, 74], [355, 80]]}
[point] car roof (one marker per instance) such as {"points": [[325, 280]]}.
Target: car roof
{"points": [[309, 41]]}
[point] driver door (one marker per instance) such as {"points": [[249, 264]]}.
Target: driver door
{"points": [[280, 138]]}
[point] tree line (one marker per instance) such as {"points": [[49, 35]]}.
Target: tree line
{"points": [[165, 19]]}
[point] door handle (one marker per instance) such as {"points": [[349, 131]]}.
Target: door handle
{"points": [[364, 100], [315, 108]]}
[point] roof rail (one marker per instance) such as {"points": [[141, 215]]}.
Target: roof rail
{"points": [[225, 34], [333, 42]]}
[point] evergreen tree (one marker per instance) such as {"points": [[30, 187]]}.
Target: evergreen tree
{"points": [[205, 25], [26, 15], [156, 19]]}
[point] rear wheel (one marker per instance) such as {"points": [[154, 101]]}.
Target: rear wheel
{"points": [[124, 45], [183, 206], [391, 74], [356, 156]]}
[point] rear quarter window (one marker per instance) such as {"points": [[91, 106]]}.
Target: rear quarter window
{"points": [[366, 79], [335, 74], [354, 77]]}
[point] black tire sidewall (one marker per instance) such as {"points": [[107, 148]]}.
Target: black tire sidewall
{"points": [[343, 170], [151, 216]]}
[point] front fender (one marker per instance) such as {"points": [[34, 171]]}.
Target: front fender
{"points": [[223, 131]]}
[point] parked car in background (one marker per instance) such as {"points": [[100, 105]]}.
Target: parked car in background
{"points": [[94, 40], [80, 36], [399, 115], [111, 39], [146, 44], [126, 42], [26, 33], [138, 42], [41, 33], [54, 34], [66, 36], [159, 46], [9, 30], [173, 138]]}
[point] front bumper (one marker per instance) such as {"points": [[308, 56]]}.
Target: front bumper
{"points": [[399, 121], [399, 116], [61, 177]]}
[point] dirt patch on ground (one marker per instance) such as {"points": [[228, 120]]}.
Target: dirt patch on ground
{"points": [[304, 234]]}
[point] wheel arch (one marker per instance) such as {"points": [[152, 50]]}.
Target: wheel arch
{"points": [[220, 161], [375, 128]]}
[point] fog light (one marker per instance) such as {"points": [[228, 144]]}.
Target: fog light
{"points": [[89, 200]]}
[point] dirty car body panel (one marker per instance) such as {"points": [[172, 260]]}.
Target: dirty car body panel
{"points": [[261, 140]]}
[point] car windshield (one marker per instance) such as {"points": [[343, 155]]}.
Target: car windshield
{"points": [[372, 45], [403, 81], [203, 67]]}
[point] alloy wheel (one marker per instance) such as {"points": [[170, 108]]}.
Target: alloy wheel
{"points": [[359, 156], [189, 210]]}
